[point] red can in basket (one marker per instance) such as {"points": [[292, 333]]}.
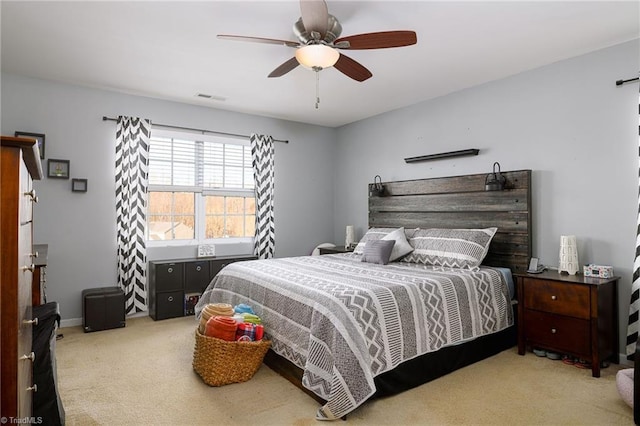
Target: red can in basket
{"points": [[259, 331], [246, 329]]}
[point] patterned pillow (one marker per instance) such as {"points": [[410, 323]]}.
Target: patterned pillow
{"points": [[374, 234], [450, 248], [378, 251]]}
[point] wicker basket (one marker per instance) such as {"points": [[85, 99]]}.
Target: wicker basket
{"points": [[220, 362]]}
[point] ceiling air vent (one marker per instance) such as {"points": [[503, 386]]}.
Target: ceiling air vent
{"points": [[212, 97]]}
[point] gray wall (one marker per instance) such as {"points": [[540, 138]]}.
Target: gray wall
{"points": [[568, 122], [80, 228]]}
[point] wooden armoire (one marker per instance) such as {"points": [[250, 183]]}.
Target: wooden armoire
{"points": [[20, 165]]}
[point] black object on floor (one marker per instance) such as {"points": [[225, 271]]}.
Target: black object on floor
{"points": [[47, 406], [102, 308]]}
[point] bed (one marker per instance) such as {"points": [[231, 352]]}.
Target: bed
{"points": [[346, 330]]}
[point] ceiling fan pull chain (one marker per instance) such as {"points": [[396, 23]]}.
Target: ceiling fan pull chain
{"points": [[317, 88]]}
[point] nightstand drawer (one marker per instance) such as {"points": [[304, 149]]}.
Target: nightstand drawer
{"points": [[557, 297], [558, 332]]}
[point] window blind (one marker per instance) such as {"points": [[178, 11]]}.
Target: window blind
{"points": [[203, 164]]}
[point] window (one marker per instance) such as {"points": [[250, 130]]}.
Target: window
{"points": [[200, 188]]}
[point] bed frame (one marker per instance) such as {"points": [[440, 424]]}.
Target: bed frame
{"points": [[448, 202]]}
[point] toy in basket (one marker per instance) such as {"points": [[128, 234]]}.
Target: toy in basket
{"points": [[222, 361]]}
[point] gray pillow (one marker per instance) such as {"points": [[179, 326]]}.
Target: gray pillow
{"points": [[373, 234], [378, 251]]}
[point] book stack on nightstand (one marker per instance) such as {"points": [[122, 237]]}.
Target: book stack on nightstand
{"points": [[569, 314]]}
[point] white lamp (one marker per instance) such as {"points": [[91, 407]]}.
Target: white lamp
{"points": [[568, 255], [317, 56], [349, 236]]}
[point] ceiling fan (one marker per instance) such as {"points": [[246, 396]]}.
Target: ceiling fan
{"points": [[319, 39]]}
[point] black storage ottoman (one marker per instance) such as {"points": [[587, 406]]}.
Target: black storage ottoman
{"points": [[102, 308]]}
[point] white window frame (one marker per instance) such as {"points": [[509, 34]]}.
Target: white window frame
{"points": [[200, 193]]}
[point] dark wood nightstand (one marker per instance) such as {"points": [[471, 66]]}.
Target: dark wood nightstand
{"points": [[569, 314], [335, 250]]}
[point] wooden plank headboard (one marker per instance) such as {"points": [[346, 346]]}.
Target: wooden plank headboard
{"points": [[462, 202]]}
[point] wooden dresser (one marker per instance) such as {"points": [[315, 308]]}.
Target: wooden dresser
{"points": [[20, 166], [569, 314]]}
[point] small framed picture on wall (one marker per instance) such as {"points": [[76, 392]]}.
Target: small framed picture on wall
{"points": [[79, 185], [58, 169], [39, 137]]}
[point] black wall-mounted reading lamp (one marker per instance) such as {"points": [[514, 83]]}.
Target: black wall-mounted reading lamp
{"points": [[377, 188], [495, 181]]}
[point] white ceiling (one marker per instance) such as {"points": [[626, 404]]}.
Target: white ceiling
{"points": [[169, 50]]}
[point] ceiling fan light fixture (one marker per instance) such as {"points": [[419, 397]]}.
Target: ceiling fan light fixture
{"points": [[317, 56]]}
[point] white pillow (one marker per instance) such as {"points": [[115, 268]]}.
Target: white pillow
{"points": [[401, 247]]}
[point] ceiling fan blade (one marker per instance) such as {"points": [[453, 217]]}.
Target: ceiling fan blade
{"points": [[285, 68], [352, 69], [315, 16], [380, 40], [259, 40]]}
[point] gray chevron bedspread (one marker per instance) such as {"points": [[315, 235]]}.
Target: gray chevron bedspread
{"points": [[344, 321]]}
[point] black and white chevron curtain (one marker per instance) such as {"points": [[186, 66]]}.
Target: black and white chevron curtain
{"points": [[262, 153], [634, 307], [132, 180]]}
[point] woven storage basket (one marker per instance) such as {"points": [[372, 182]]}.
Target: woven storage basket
{"points": [[220, 362]]}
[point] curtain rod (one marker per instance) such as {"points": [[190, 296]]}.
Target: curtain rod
{"points": [[621, 82], [169, 126]]}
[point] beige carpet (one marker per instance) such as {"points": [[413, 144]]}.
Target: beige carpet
{"points": [[142, 375]]}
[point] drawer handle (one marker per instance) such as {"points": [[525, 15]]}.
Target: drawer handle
{"points": [[553, 331], [33, 388], [31, 356], [34, 254], [170, 270], [170, 298], [33, 321], [32, 194], [198, 268], [554, 298], [31, 268]]}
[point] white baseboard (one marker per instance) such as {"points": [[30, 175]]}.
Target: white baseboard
{"points": [[624, 362], [75, 322], [71, 322]]}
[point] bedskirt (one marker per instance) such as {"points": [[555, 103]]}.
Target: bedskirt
{"points": [[417, 371]]}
